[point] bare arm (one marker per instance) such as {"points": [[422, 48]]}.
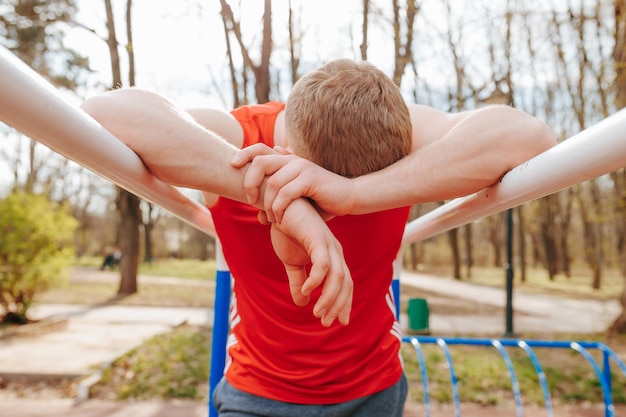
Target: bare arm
{"points": [[453, 155], [174, 147], [178, 148]]}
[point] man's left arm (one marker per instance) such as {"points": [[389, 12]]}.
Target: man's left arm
{"points": [[453, 155]]}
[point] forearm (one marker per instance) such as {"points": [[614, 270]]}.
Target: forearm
{"points": [[471, 156], [303, 239], [172, 145]]}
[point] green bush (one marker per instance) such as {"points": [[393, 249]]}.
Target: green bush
{"points": [[35, 245]]}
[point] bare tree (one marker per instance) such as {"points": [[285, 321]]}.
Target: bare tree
{"points": [[126, 202], [619, 177], [402, 37], [294, 50], [34, 31], [365, 29], [261, 71]]}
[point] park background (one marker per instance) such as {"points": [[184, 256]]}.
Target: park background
{"points": [[562, 61]]}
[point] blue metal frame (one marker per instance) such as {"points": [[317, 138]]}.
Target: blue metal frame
{"points": [[603, 374], [220, 326]]}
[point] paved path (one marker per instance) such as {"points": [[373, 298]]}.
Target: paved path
{"points": [[532, 313], [97, 408], [95, 336], [92, 337]]}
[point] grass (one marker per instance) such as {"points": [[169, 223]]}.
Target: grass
{"points": [[170, 267], [537, 282], [150, 294], [180, 268], [197, 291], [174, 365]]}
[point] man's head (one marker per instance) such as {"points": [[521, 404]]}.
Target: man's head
{"points": [[349, 118]]}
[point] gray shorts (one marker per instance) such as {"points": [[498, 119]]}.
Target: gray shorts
{"points": [[232, 402]]}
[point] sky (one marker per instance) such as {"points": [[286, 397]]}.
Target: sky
{"points": [[180, 48]]}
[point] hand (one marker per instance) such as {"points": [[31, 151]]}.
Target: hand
{"points": [[303, 239], [291, 177]]}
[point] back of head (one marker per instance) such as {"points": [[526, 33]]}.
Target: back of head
{"points": [[349, 118]]}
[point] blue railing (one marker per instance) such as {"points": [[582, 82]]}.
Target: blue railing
{"points": [[603, 372]]}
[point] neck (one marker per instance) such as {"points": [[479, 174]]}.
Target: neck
{"points": [[280, 133]]}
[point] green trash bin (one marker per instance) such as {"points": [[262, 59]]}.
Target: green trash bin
{"points": [[418, 315]]}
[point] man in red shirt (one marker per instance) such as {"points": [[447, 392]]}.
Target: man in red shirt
{"points": [[292, 278]]}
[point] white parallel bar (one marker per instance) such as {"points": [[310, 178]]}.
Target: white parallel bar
{"points": [[33, 106], [598, 150]]}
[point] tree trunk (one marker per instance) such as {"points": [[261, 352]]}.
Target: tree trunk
{"points": [[127, 203], [619, 205], [415, 255], [294, 54], [469, 249], [566, 219], [592, 256], [521, 242], [548, 236], [147, 239], [262, 85], [128, 207], [129, 46], [619, 324], [494, 229], [112, 43], [453, 240], [403, 44], [364, 29], [619, 178]]}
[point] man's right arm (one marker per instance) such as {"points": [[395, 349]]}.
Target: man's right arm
{"points": [[173, 146], [190, 151]]}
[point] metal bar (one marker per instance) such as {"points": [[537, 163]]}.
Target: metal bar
{"points": [[423, 372], [609, 408], [453, 379], [514, 382], [509, 275], [604, 375], [540, 374], [220, 325], [33, 106]]}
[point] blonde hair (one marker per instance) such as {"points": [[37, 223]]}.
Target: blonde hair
{"points": [[349, 118]]}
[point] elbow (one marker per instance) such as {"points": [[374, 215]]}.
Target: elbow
{"points": [[96, 107], [541, 138], [119, 106], [533, 136], [109, 109]]}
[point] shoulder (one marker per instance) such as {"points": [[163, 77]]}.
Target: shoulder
{"points": [[430, 124]]}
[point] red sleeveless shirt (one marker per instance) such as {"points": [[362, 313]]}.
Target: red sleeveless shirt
{"points": [[280, 351]]}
